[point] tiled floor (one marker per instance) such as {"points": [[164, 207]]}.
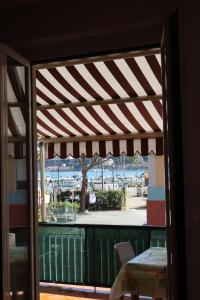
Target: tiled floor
{"points": [[74, 292], [45, 296], [69, 292]]}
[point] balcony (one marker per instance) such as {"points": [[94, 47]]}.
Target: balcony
{"points": [[84, 254], [78, 261]]}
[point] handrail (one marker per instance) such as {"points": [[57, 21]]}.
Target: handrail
{"points": [[101, 225]]}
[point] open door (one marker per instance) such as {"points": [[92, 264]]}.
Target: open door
{"points": [[174, 173], [17, 152]]}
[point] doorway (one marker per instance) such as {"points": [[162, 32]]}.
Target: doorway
{"points": [[4, 167], [103, 111]]}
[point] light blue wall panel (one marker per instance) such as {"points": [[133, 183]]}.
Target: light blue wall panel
{"points": [[156, 193], [18, 197]]}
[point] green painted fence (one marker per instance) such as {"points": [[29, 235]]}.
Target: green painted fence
{"points": [[62, 254], [85, 254]]}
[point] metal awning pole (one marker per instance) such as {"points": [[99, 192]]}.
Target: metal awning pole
{"points": [[42, 181]]}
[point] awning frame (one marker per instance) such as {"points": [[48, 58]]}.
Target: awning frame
{"points": [[90, 103], [92, 59], [100, 102], [136, 136]]}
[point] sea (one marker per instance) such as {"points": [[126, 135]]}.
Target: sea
{"points": [[59, 179], [92, 174]]}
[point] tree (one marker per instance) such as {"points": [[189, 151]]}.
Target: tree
{"points": [[85, 167], [137, 160]]}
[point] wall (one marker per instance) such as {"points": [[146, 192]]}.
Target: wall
{"points": [[61, 29], [190, 49], [156, 200]]}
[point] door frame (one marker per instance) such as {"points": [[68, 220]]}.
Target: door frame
{"points": [[6, 51], [174, 172]]}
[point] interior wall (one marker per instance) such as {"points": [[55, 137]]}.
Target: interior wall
{"points": [[59, 29], [190, 66]]}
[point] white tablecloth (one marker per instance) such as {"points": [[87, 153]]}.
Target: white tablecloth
{"points": [[145, 275]]}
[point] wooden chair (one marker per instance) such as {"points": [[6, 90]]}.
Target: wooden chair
{"points": [[125, 253]]}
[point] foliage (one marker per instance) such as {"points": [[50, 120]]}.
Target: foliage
{"points": [[62, 209], [85, 167], [136, 160], [106, 200], [56, 205]]}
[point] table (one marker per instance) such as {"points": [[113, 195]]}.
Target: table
{"points": [[144, 275], [18, 254], [18, 258]]}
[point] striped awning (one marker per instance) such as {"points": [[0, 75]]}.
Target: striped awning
{"points": [[16, 114], [104, 148], [17, 150], [106, 105]]}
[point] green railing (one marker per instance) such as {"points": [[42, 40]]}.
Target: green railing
{"points": [[84, 254]]}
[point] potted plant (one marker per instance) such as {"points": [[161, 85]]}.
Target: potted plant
{"points": [[61, 211]]}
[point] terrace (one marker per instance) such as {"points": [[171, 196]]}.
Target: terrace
{"points": [[84, 255], [78, 258]]}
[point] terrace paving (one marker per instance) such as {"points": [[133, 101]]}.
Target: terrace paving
{"points": [[133, 214]]}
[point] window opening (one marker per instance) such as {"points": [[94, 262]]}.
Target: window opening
{"points": [[107, 109]]}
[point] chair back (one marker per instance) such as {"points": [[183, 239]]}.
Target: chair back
{"points": [[124, 251]]}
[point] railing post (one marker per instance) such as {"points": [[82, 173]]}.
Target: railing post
{"points": [[42, 181]]}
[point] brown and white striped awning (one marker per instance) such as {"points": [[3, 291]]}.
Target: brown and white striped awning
{"points": [[108, 104], [103, 148], [17, 150], [15, 92]]}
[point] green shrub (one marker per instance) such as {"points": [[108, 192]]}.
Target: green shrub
{"points": [[57, 205], [106, 200], [115, 199]]}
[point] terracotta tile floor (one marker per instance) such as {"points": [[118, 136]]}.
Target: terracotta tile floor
{"points": [[75, 292], [69, 292], [44, 296]]}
